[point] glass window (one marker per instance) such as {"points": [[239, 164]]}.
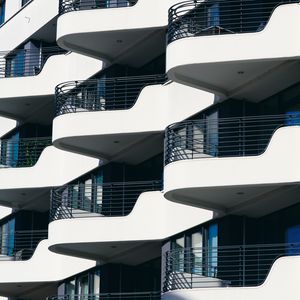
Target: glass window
{"points": [[70, 288], [2, 11], [197, 252], [212, 243], [178, 259], [213, 16]]}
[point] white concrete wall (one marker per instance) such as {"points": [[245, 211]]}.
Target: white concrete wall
{"points": [[157, 107], [44, 265], [54, 168], [279, 164], [276, 41], [58, 69], [12, 7], [281, 283], [152, 218], [28, 21]]}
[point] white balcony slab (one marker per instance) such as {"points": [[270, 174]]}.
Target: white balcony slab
{"points": [[38, 276], [123, 135], [241, 65], [21, 101], [250, 185], [111, 32], [29, 188], [131, 239]]}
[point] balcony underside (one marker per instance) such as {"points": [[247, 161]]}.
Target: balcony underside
{"points": [[131, 239], [38, 109], [230, 66], [131, 147], [26, 198], [253, 185], [109, 47], [282, 282]]}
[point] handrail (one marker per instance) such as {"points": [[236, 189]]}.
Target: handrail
{"points": [[98, 200], [216, 17], [20, 245], [223, 137], [107, 296], [102, 94], [238, 266], [66, 6], [24, 152], [26, 62]]}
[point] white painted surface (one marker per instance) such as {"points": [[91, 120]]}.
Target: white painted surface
{"points": [[54, 168], [58, 69], [152, 218], [281, 283], [145, 14], [27, 22], [12, 7], [157, 107], [231, 66], [6, 125], [44, 265], [279, 164]]}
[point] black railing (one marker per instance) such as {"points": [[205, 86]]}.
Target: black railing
{"points": [[75, 5], [102, 94], [214, 17], [227, 137], [20, 245], [22, 152], [92, 200], [236, 266], [108, 296], [21, 62]]}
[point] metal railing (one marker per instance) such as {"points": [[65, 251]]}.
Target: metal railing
{"points": [[66, 6], [237, 266], [224, 137], [20, 245], [23, 152], [214, 17], [92, 200], [22, 62], [102, 94], [108, 296]]}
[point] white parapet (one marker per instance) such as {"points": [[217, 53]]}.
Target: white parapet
{"points": [[231, 66], [157, 107], [240, 185], [152, 220]]}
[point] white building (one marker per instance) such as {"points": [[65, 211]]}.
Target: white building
{"points": [[155, 154]]}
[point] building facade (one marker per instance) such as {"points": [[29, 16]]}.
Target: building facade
{"points": [[155, 149]]}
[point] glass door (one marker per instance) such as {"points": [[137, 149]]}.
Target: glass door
{"points": [[83, 287], [212, 250]]}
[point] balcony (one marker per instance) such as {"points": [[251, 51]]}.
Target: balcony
{"points": [[102, 200], [108, 296], [27, 172], [20, 245], [23, 266], [211, 46], [234, 165], [233, 272], [116, 31], [123, 214], [111, 108], [22, 153], [71, 5], [22, 69]]}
